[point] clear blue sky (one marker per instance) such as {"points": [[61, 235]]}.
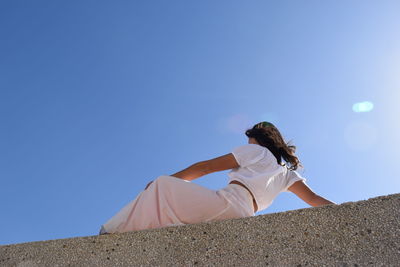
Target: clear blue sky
{"points": [[97, 98]]}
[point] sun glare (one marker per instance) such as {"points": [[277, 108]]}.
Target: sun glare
{"points": [[365, 106]]}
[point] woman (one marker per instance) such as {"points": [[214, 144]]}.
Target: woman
{"points": [[257, 176]]}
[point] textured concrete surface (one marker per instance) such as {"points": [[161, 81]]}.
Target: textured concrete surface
{"points": [[362, 233]]}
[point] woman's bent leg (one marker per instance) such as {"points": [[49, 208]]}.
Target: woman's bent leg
{"points": [[172, 201]]}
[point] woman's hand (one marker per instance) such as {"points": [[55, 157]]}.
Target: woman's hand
{"points": [[148, 185]]}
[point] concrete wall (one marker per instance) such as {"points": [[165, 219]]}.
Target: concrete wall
{"points": [[362, 233]]}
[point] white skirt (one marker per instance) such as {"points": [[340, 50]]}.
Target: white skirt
{"points": [[172, 201]]}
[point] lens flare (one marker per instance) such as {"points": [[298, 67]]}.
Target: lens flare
{"points": [[365, 106], [236, 123]]}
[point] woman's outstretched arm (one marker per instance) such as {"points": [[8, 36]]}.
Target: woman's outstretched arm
{"points": [[202, 168], [193, 171], [300, 189]]}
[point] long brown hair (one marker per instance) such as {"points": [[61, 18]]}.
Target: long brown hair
{"points": [[267, 135]]}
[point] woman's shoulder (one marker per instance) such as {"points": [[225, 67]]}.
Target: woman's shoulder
{"points": [[248, 154]]}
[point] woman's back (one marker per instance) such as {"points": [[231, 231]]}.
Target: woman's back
{"points": [[261, 174]]}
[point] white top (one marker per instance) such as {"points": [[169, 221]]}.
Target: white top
{"points": [[261, 173]]}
